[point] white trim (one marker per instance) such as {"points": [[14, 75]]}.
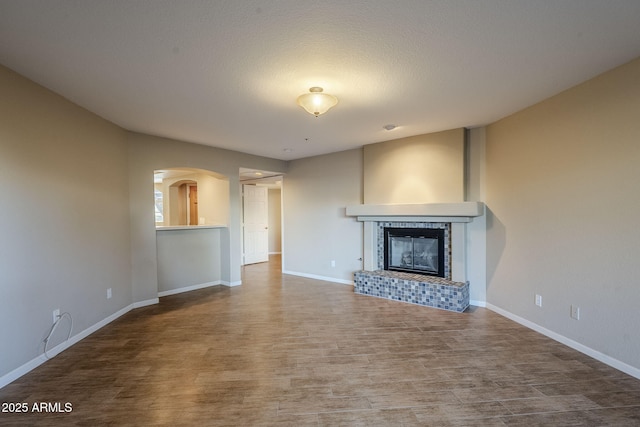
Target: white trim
{"points": [[608, 360], [34, 363], [275, 253], [230, 284], [478, 303], [188, 288], [315, 276], [145, 303], [188, 227]]}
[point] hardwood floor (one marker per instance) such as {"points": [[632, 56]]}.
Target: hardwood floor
{"points": [[285, 350]]}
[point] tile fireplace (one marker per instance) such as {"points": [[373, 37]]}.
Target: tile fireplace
{"points": [[416, 253]]}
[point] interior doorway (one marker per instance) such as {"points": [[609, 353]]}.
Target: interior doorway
{"points": [[255, 209], [262, 195]]}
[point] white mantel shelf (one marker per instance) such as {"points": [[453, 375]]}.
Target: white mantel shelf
{"points": [[453, 212], [187, 227]]}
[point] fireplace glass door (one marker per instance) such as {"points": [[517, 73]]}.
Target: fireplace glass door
{"points": [[415, 250]]}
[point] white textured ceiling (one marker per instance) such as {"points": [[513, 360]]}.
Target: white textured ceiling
{"points": [[227, 73]]}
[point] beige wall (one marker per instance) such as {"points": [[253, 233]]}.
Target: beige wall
{"points": [[64, 222], [213, 200], [188, 258], [419, 169], [562, 191], [275, 220], [315, 193], [476, 241]]}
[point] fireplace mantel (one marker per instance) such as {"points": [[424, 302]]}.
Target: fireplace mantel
{"points": [[419, 212]]}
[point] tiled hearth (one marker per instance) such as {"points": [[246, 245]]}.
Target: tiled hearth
{"points": [[418, 289]]}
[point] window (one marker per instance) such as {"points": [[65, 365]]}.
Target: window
{"points": [[159, 211]]}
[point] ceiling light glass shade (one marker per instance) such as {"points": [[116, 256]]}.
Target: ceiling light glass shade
{"points": [[316, 102]]}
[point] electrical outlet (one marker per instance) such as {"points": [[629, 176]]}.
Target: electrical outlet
{"points": [[109, 293], [333, 263], [56, 314], [539, 300], [575, 312]]}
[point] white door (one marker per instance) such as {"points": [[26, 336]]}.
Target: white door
{"points": [[256, 224]]}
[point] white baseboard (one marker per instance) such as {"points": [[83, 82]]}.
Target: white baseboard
{"points": [[478, 303], [608, 360], [145, 303], [188, 288], [34, 363], [315, 276], [231, 284]]}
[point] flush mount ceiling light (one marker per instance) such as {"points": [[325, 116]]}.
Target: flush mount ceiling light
{"points": [[317, 102]]}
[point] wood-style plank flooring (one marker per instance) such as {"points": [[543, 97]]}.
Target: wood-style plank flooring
{"points": [[285, 350]]}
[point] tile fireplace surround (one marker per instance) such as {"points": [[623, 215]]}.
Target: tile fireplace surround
{"points": [[449, 293]]}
